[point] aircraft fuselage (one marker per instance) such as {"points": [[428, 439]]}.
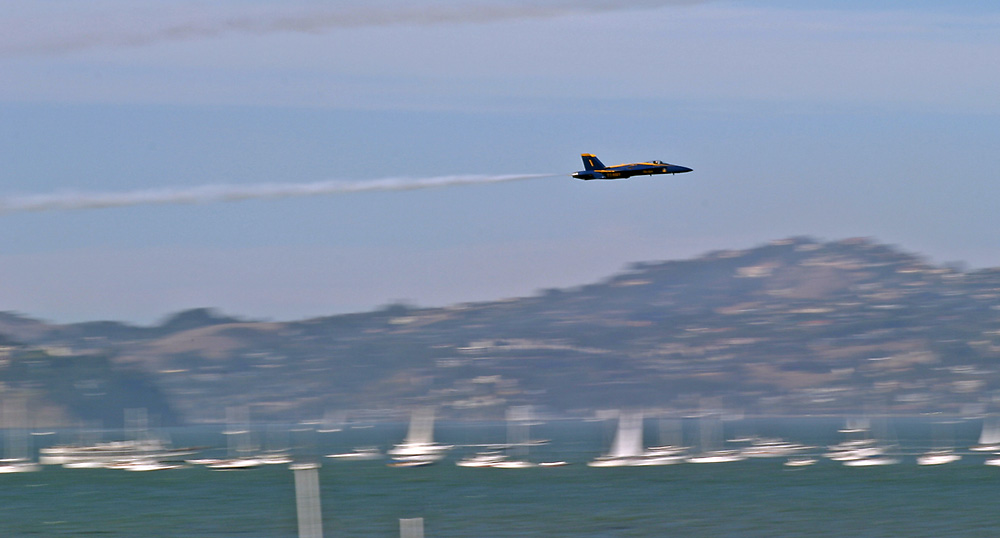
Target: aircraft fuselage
{"points": [[596, 170]]}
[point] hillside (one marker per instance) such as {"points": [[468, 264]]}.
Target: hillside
{"points": [[794, 326]]}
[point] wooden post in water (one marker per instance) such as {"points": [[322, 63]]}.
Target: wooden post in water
{"points": [[411, 528], [307, 500]]}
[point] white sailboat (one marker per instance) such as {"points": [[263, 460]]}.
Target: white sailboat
{"points": [[942, 451], [16, 449], [800, 461], [866, 450], [141, 448], [333, 421], [146, 457], [856, 425], [938, 457], [518, 424], [513, 454], [858, 442], [871, 462], [711, 443], [419, 448], [482, 459], [627, 447], [358, 454], [772, 448], [239, 444], [989, 437]]}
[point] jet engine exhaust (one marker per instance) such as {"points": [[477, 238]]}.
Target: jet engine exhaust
{"points": [[69, 201]]}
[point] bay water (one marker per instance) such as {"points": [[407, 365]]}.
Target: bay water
{"points": [[751, 498]]}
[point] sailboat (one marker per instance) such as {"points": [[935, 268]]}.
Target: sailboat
{"points": [[856, 425], [627, 448], [358, 454], [419, 448], [858, 442], [941, 453], [513, 454], [16, 458], [989, 437], [500, 456], [148, 455], [867, 450], [711, 443], [239, 444], [332, 422]]}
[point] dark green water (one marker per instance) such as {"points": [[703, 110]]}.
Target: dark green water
{"points": [[753, 498]]}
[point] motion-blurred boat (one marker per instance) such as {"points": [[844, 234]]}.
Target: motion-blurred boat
{"points": [[363, 453], [627, 450], [937, 457], [419, 448], [989, 437]]}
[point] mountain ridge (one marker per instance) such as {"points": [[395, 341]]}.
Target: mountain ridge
{"points": [[795, 325]]}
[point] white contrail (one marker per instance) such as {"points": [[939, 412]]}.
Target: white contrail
{"points": [[67, 201], [125, 24]]}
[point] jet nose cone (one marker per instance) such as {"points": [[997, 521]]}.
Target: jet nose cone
{"points": [[675, 169]]}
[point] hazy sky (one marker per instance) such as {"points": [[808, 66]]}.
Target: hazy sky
{"points": [[834, 120]]}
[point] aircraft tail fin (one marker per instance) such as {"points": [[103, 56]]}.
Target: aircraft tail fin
{"points": [[591, 162]]}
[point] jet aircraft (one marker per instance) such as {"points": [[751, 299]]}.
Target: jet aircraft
{"points": [[595, 169]]}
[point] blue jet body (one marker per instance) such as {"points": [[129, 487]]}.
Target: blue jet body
{"points": [[595, 169]]}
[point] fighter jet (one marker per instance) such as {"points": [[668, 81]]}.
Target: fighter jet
{"points": [[595, 169]]}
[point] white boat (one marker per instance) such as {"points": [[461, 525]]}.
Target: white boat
{"points": [[333, 421], [86, 464], [519, 421], [859, 444], [854, 450], [103, 454], [871, 462], [942, 451], [989, 437], [413, 461], [277, 457], [513, 454], [627, 447], [482, 459], [507, 463], [16, 439], [202, 461], [144, 466], [856, 425], [710, 425], [235, 464], [142, 450], [717, 456], [358, 454], [18, 465], [419, 448], [800, 462], [772, 448], [240, 451], [862, 448], [937, 457]]}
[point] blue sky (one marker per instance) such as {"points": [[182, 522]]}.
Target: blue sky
{"points": [[836, 119]]}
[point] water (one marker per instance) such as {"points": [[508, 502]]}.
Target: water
{"points": [[753, 498]]}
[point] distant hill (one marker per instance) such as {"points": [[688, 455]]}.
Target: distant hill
{"points": [[794, 326]]}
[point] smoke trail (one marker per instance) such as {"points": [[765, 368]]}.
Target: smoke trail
{"points": [[68, 201], [121, 25]]}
